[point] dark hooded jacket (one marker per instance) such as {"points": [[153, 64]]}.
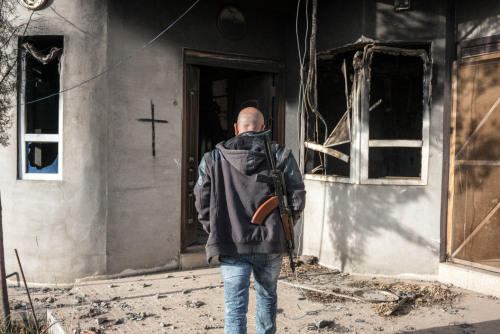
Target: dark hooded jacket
{"points": [[227, 196]]}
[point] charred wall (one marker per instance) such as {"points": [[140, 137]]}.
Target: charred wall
{"points": [[386, 228], [144, 197]]}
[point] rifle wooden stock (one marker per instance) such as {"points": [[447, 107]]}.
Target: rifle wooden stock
{"points": [[264, 210], [287, 223]]}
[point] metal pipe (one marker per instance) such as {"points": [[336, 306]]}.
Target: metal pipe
{"points": [[28, 292], [10, 275]]}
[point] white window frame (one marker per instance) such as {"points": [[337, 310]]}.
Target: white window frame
{"points": [[34, 137], [366, 143], [360, 142]]}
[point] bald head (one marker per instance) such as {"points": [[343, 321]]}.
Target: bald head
{"points": [[249, 119]]}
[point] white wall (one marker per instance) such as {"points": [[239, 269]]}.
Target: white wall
{"points": [[387, 230], [59, 227]]}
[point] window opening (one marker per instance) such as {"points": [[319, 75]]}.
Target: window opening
{"points": [[376, 100], [335, 80], [40, 122], [395, 124]]}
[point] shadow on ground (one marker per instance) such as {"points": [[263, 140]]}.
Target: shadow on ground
{"points": [[486, 327]]}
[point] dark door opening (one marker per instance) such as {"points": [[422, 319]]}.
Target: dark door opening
{"points": [[214, 96]]}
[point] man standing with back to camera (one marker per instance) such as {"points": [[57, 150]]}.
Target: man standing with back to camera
{"points": [[227, 197]]}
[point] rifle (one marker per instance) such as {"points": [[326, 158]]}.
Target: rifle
{"points": [[276, 180]]}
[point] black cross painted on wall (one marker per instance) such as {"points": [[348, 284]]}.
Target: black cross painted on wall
{"points": [[153, 121]]}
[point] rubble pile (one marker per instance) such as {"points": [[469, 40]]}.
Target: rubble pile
{"points": [[304, 264], [325, 298], [418, 295]]}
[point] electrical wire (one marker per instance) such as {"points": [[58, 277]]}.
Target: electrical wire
{"points": [[300, 110], [131, 55]]}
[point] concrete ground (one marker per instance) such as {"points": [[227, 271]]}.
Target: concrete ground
{"points": [[193, 302]]}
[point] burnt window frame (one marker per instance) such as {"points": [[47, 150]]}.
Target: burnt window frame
{"points": [[366, 143], [25, 137], [360, 108]]}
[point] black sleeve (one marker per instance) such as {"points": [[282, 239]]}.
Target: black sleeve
{"points": [[202, 194]]}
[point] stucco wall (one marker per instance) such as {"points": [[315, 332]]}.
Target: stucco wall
{"points": [[118, 208], [373, 229], [59, 227], [144, 218], [476, 21]]}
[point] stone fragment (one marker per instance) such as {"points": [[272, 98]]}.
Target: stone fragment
{"points": [[322, 323], [308, 259], [16, 306], [312, 327], [101, 320], [194, 303]]}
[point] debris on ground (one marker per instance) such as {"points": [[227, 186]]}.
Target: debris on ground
{"points": [[307, 259], [301, 267], [416, 296], [194, 303], [407, 296], [190, 303]]}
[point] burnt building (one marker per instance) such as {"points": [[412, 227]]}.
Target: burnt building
{"points": [[390, 106]]}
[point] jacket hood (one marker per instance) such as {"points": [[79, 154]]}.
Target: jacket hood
{"points": [[246, 152]]}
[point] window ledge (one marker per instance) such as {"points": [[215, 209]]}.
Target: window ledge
{"points": [[328, 178], [386, 181], [41, 177], [396, 181]]}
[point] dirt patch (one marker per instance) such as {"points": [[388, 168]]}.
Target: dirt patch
{"points": [[188, 302]]}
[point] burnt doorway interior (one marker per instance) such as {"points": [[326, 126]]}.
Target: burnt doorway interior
{"points": [[220, 93], [223, 93]]}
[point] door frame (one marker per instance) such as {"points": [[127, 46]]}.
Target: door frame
{"points": [[471, 51], [233, 61]]}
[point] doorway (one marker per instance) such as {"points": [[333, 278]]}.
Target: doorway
{"points": [[474, 207], [216, 88]]}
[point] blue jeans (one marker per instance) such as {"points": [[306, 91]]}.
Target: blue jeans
{"points": [[236, 275]]}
